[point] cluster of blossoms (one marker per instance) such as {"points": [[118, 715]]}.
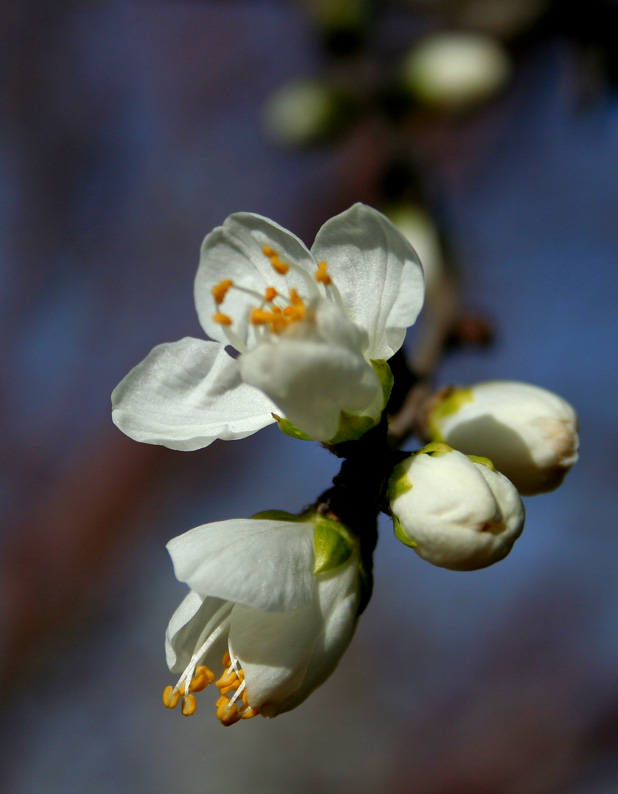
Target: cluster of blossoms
{"points": [[274, 599]]}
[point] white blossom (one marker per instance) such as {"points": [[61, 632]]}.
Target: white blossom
{"points": [[307, 325], [272, 607], [529, 433], [454, 511]]}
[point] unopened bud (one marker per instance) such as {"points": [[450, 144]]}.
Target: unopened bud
{"points": [[454, 511], [528, 432], [454, 71], [304, 112], [419, 229]]}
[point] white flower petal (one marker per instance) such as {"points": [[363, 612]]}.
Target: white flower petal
{"points": [[334, 327], [266, 564], [234, 251], [274, 650], [338, 597], [185, 395], [312, 382], [185, 628], [377, 273]]}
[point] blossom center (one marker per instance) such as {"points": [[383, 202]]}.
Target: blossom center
{"points": [[232, 704], [275, 311]]}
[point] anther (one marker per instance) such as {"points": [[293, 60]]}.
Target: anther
{"points": [[170, 697], [226, 661], [295, 298], [203, 677], [248, 713], [219, 291], [271, 294], [188, 705], [261, 317], [277, 265], [222, 319], [225, 714], [228, 677], [322, 276]]}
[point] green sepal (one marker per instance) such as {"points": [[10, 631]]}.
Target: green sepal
{"points": [[332, 542], [482, 461], [447, 406], [401, 535], [291, 430], [351, 427], [281, 515], [399, 482], [385, 376], [435, 448]]}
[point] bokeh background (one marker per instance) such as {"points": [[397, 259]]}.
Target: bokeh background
{"points": [[129, 129]]}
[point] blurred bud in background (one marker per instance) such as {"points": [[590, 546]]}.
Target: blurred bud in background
{"points": [[420, 230], [306, 112], [455, 72]]}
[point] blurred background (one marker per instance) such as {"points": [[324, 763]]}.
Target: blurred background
{"points": [[130, 128]]}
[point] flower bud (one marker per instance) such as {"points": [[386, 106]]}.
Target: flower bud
{"points": [[456, 71], [529, 433], [420, 230], [305, 112], [454, 511]]}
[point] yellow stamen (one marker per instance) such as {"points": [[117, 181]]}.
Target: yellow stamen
{"points": [[225, 690], [295, 298], [226, 661], [277, 265], [188, 705], [206, 671], [248, 713], [271, 294], [170, 697], [261, 317], [219, 291], [203, 677], [322, 276], [294, 313], [226, 714], [222, 319], [228, 677]]}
